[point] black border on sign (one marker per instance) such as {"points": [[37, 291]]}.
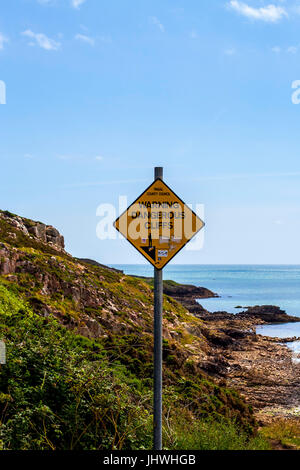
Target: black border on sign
{"points": [[124, 212]]}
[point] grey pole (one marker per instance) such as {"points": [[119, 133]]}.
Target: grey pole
{"points": [[158, 310]]}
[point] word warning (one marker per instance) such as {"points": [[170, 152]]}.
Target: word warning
{"points": [[158, 224]]}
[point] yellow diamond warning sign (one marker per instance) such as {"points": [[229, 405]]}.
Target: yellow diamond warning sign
{"points": [[158, 224]]}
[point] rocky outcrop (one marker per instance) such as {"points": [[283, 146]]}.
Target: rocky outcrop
{"points": [[268, 314], [85, 296], [47, 234], [187, 292], [36, 230], [8, 260], [253, 316], [98, 302], [261, 368], [187, 295], [266, 375]]}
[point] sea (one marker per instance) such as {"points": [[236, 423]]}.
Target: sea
{"points": [[238, 287]]}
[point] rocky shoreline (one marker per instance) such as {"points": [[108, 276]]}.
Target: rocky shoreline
{"points": [[104, 304], [260, 367]]}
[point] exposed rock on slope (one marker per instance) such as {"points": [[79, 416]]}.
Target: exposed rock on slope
{"points": [[104, 304], [252, 316], [86, 296], [261, 368], [186, 294], [34, 230], [184, 291], [116, 311], [268, 314]]}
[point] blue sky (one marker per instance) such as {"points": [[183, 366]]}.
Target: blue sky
{"points": [[101, 91]]}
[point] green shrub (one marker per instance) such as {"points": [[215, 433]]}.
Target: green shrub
{"points": [[58, 392], [61, 391]]}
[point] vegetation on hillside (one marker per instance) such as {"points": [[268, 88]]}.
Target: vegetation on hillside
{"points": [[79, 360], [62, 391]]}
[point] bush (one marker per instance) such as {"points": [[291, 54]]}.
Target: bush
{"points": [[58, 391]]}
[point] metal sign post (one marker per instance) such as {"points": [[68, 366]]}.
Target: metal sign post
{"points": [[158, 310], [158, 224]]}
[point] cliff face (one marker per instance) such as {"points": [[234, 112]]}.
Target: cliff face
{"points": [[33, 230], [204, 354], [84, 296], [117, 311], [96, 301]]}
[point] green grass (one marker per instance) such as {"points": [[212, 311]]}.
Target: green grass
{"points": [[213, 435], [285, 432]]}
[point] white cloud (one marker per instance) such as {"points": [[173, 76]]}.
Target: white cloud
{"points": [[86, 39], [3, 40], [99, 158], [41, 40], [270, 13], [77, 3], [154, 20], [290, 50]]}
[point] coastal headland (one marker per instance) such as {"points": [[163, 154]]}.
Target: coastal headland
{"points": [[214, 362]]}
